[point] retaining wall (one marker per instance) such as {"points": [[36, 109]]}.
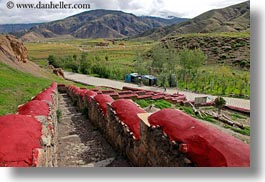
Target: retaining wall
{"points": [[155, 146], [33, 143]]}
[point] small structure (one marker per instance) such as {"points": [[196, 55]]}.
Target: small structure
{"points": [[200, 100], [141, 79], [132, 78], [149, 80]]}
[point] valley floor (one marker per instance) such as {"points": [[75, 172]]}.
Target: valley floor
{"points": [[85, 79]]}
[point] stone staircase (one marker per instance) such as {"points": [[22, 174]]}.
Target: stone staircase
{"points": [[80, 144]]}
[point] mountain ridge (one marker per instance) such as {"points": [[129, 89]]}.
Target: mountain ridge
{"points": [[100, 24], [235, 18]]}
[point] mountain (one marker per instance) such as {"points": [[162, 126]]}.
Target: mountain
{"points": [[10, 28], [99, 24], [235, 18]]}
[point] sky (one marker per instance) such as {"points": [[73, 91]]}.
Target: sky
{"points": [[160, 8]]}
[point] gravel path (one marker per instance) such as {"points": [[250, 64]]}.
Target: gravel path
{"points": [[85, 79], [81, 144]]}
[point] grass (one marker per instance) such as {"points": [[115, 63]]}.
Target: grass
{"points": [[17, 88], [59, 115], [118, 55], [143, 103], [161, 104], [42, 50], [189, 111], [245, 131], [235, 116], [39, 52]]}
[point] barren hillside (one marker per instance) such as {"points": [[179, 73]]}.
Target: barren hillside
{"points": [[14, 54]]}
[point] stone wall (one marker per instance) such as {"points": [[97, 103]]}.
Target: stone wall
{"points": [[155, 147], [43, 109]]}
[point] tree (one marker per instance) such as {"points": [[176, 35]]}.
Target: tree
{"points": [[142, 67], [52, 60], [85, 64], [190, 60], [165, 61], [107, 58], [219, 103]]}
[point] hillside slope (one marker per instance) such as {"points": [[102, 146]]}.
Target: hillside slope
{"points": [[20, 79], [234, 18], [231, 49], [99, 24], [17, 87], [14, 54]]}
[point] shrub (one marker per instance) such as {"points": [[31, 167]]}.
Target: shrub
{"points": [[52, 60], [219, 103]]}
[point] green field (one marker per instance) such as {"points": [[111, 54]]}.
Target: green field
{"points": [[117, 53], [113, 61], [125, 56]]}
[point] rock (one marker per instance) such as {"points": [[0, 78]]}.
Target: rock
{"points": [[13, 48]]}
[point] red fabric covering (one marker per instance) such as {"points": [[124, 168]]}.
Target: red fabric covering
{"points": [[113, 94], [54, 85], [19, 136], [45, 95], [127, 112], [75, 90], [128, 96], [144, 96], [130, 88], [206, 146], [149, 93], [90, 94], [141, 92], [107, 91], [155, 97], [177, 95], [102, 100], [125, 92], [239, 109], [82, 93], [34, 108], [159, 93], [168, 98], [180, 98]]}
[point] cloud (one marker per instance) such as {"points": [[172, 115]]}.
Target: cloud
{"points": [[161, 8]]}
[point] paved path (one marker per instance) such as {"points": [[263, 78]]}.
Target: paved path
{"points": [[243, 103]]}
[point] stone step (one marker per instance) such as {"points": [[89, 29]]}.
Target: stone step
{"points": [[80, 145], [102, 163]]}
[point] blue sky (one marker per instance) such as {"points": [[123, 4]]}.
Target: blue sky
{"points": [[161, 8]]}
